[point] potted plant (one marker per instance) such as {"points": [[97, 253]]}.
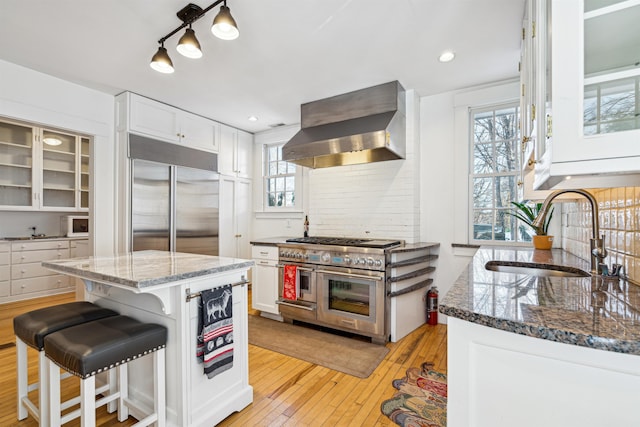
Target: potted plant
{"points": [[527, 214]]}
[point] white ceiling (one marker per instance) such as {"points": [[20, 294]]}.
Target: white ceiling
{"points": [[289, 51]]}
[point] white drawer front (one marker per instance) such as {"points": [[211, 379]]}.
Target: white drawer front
{"points": [[5, 247], [4, 258], [4, 272], [39, 245], [25, 286], [5, 288], [264, 252], [35, 256], [34, 269]]}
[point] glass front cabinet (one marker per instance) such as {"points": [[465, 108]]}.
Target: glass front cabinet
{"points": [[43, 169], [583, 69]]}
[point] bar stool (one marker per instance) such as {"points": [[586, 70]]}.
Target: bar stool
{"points": [[30, 329], [91, 348]]}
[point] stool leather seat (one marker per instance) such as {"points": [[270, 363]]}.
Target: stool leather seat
{"points": [[88, 349], [33, 326]]}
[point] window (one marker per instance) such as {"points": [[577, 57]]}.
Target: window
{"points": [[279, 180], [495, 171], [612, 107]]}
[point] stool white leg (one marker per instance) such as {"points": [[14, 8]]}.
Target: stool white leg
{"points": [[159, 387], [123, 389], [23, 378], [43, 388], [112, 378], [53, 373], [88, 402]]}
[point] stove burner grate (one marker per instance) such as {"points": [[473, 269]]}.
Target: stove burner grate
{"points": [[346, 241]]}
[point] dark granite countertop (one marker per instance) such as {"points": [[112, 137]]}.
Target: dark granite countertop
{"points": [[585, 311]]}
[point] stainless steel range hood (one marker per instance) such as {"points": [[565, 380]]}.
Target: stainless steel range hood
{"points": [[364, 126]]}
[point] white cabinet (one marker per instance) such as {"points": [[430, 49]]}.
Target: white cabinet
{"points": [[28, 277], [155, 119], [264, 281], [5, 269], [235, 211], [236, 152], [590, 111], [43, 169]]}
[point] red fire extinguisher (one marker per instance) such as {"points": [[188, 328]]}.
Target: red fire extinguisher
{"points": [[432, 306]]}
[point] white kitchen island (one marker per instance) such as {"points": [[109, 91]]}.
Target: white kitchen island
{"points": [[162, 287]]}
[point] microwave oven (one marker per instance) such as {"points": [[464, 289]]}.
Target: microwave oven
{"points": [[74, 226]]}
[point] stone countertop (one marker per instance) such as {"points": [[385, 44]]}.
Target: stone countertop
{"points": [[586, 311], [145, 269], [269, 241], [40, 239]]}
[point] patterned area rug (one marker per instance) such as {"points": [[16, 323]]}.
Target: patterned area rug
{"points": [[421, 399]]}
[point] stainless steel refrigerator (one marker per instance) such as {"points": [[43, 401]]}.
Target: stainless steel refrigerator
{"points": [[174, 197]]}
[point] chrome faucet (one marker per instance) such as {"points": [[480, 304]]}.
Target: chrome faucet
{"points": [[598, 251]]}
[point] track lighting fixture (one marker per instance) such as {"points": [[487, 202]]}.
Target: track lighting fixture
{"points": [[188, 45], [223, 27]]}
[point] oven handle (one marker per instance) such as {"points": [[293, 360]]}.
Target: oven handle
{"points": [[298, 267], [357, 276], [289, 304]]}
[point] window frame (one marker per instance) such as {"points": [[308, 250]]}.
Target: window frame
{"points": [[297, 176], [516, 174]]}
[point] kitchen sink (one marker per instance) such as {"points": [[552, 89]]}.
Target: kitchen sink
{"points": [[533, 269]]}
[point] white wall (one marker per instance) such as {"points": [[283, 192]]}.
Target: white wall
{"points": [[444, 175], [34, 97], [369, 200]]}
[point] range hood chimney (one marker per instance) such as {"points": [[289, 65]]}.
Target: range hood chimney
{"points": [[363, 126]]}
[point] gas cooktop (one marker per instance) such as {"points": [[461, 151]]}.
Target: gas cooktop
{"points": [[346, 241]]}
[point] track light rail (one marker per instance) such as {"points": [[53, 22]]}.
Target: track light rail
{"points": [[190, 14]]}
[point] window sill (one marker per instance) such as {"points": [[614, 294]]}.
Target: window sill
{"points": [[279, 215]]}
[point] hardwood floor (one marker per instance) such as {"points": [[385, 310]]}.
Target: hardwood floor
{"points": [[286, 391]]}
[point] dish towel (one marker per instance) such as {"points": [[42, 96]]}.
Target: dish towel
{"points": [[215, 330], [289, 282]]}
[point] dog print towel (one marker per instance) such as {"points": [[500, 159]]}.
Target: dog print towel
{"points": [[215, 330]]}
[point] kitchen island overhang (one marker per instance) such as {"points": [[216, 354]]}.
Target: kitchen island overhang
{"points": [[162, 287]]}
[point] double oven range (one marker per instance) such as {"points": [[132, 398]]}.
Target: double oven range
{"points": [[340, 283]]}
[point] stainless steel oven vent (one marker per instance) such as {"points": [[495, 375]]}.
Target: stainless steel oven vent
{"points": [[363, 126]]}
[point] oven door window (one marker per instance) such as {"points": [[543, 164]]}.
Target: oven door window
{"points": [[351, 295]]}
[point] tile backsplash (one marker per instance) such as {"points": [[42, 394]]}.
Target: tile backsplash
{"points": [[619, 222]]}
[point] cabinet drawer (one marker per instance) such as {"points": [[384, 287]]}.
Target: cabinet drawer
{"points": [[267, 262], [264, 252], [39, 245], [4, 258], [25, 286], [34, 269], [4, 272], [5, 288], [35, 256], [5, 247]]}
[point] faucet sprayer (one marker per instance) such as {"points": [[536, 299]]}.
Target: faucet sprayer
{"points": [[598, 251]]}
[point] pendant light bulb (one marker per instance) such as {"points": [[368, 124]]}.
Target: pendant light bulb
{"points": [[224, 26], [52, 141], [161, 61], [188, 45]]}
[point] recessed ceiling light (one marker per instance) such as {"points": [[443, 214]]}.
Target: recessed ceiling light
{"points": [[252, 118], [446, 56]]}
